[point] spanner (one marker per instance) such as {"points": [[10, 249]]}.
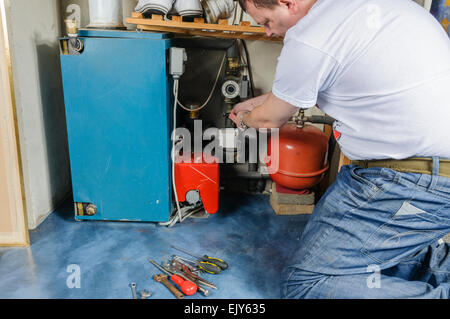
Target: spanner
{"points": [[133, 290], [145, 294], [164, 280]]}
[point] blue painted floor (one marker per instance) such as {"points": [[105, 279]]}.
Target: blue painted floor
{"points": [[110, 255]]}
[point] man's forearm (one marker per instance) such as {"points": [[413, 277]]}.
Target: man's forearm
{"points": [[250, 104], [273, 113], [255, 120]]}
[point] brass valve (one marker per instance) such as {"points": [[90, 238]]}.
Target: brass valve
{"points": [[300, 119]]}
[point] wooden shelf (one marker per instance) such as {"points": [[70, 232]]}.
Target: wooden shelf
{"points": [[198, 27]]}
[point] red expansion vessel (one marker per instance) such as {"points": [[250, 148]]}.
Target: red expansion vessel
{"points": [[302, 158]]}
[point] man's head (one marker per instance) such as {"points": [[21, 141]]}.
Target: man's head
{"points": [[277, 16]]}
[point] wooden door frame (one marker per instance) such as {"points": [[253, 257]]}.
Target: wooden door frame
{"points": [[13, 221]]}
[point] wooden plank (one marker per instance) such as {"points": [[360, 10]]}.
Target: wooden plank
{"points": [[13, 222], [196, 25], [217, 34], [163, 29], [343, 160], [222, 29], [328, 130]]}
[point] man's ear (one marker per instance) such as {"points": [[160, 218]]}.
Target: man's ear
{"points": [[289, 4]]}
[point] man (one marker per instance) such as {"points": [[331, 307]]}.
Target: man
{"points": [[381, 68]]}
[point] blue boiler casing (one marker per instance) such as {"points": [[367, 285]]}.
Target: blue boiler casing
{"points": [[118, 110]]}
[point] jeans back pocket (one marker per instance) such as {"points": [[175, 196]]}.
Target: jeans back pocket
{"points": [[409, 230]]}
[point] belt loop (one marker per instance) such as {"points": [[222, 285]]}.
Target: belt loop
{"points": [[365, 164], [435, 173]]}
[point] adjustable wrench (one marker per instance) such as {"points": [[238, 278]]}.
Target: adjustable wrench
{"points": [[164, 280]]}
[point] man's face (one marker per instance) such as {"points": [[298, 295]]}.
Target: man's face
{"points": [[279, 19]]}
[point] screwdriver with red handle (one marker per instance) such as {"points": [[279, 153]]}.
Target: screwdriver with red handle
{"points": [[187, 287]]}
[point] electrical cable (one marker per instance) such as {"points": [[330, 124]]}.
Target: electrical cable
{"points": [[235, 12], [210, 95], [185, 213], [249, 68], [175, 92], [178, 211], [241, 16]]}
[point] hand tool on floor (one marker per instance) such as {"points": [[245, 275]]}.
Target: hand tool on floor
{"points": [[145, 294], [133, 290], [217, 261], [191, 271], [191, 267], [181, 266], [187, 287], [204, 265], [164, 280], [186, 276]]}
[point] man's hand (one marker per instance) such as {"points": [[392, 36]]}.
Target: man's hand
{"points": [[271, 113], [243, 106], [237, 118], [248, 105]]}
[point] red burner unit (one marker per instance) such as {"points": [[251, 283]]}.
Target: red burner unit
{"points": [[202, 176]]}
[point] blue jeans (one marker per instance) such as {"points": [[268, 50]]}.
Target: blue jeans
{"points": [[376, 233]]}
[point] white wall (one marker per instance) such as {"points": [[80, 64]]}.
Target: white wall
{"points": [[34, 29]]}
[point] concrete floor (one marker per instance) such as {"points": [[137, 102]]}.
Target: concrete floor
{"points": [[110, 255]]}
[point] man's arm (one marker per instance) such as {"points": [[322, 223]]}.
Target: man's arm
{"points": [[272, 113]]}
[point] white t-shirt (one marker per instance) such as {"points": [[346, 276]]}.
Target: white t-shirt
{"points": [[381, 68]]}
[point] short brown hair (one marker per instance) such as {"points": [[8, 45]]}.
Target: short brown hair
{"points": [[259, 3]]}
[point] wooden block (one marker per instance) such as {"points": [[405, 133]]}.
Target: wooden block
{"points": [[177, 18], [137, 15], [223, 22], [292, 199], [157, 17], [284, 209], [199, 20], [245, 23]]}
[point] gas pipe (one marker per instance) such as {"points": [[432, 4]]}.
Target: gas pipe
{"points": [[302, 158]]}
